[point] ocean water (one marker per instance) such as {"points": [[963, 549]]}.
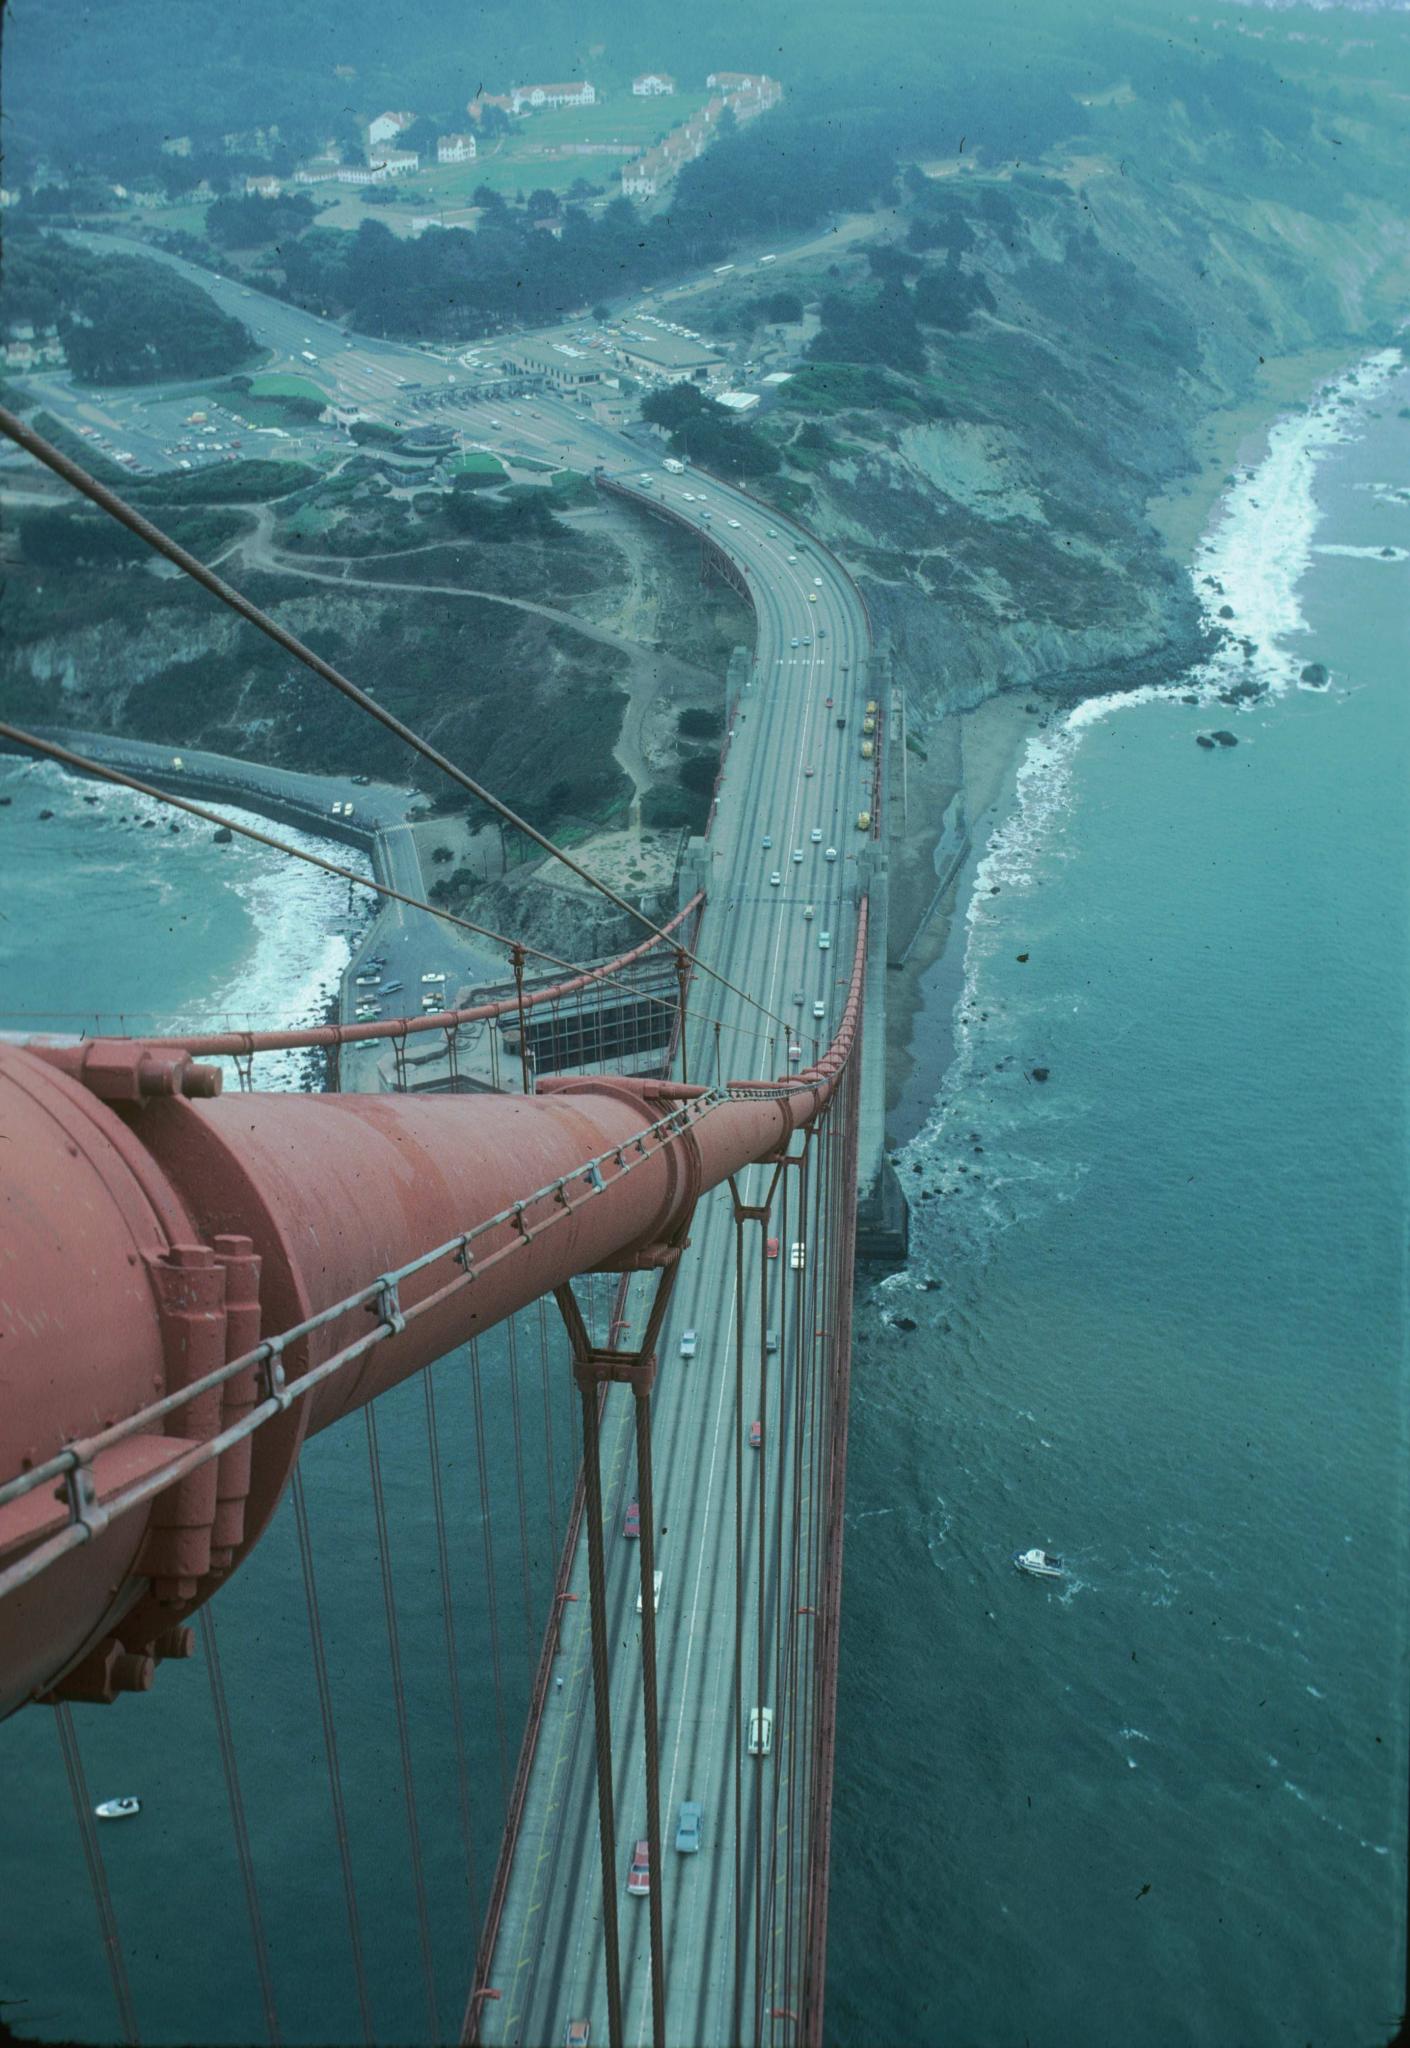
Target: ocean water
{"points": [[1157, 1297], [104, 904]]}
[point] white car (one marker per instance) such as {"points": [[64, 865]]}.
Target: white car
{"points": [[797, 853], [655, 1595], [819, 1008], [734, 522], [793, 643], [798, 1256], [793, 558], [795, 1054], [772, 532], [816, 835], [768, 841], [831, 853], [824, 941], [818, 581], [775, 878], [688, 1344], [761, 1731]]}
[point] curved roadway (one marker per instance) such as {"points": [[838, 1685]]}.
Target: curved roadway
{"points": [[789, 769]]}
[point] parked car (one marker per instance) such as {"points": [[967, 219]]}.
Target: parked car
{"points": [[688, 1826], [639, 1876]]}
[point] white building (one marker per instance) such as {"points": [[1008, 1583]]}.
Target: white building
{"points": [[652, 83], [528, 99], [398, 159], [456, 149], [386, 128], [637, 181], [262, 188]]}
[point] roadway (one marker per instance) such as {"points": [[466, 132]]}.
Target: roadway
{"points": [[549, 1964], [789, 770]]}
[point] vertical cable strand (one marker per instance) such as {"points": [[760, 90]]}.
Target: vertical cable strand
{"points": [[389, 1602], [239, 1827], [330, 1750], [97, 1873], [457, 1712]]}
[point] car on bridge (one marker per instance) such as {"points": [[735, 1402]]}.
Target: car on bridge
{"points": [[631, 1521], [798, 1256], [771, 1248], [816, 835], [761, 1731], [831, 853], [579, 2031], [797, 853], [775, 879], [688, 1826], [639, 1876], [820, 1008], [771, 1340], [824, 941], [756, 1434], [688, 1342], [655, 1595], [793, 643], [768, 842]]}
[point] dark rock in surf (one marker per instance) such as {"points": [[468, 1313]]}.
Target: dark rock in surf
{"points": [[1202, 739], [907, 1323], [1315, 675], [222, 835], [45, 814], [1039, 1073], [1225, 739], [1226, 611]]}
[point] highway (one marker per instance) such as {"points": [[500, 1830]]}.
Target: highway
{"points": [[548, 1964], [790, 771]]}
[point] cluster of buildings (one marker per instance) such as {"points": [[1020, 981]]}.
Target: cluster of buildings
{"points": [[27, 347], [745, 93]]}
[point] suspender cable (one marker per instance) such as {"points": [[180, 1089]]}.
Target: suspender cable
{"points": [[237, 1821], [760, 1657], [330, 1750], [651, 1732], [490, 1591], [519, 1483], [118, 509], [457, 1715], [737, 2015], [97, 1874], [602, 1709], [413, 1830], [549, 1472]]}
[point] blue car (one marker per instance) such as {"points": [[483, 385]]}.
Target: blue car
{"points": [[692, 1814]]}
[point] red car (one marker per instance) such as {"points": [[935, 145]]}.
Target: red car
{"points": [[578, 2035], [756, 1435], [631, 1525], [639, 1876], [772, 1247]]}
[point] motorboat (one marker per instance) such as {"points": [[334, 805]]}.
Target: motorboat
{"points": [[118, 1809], [1040, 1564]]}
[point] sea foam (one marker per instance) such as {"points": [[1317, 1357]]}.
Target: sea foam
{"points": [[1249, 565]]}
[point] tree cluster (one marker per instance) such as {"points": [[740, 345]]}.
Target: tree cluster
{"points": [[122, 319], [704, 432]]}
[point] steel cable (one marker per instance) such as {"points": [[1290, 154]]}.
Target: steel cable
{"points": [[97, 1872], [239, 1827], [487, 1535], [513, 1341], [602, 1708], [457, 1715], [413, 1829], [117, 508], [330, 1750]]}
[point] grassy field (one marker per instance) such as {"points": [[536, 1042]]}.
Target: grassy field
{"points": [[476, 463], [276, 384]]}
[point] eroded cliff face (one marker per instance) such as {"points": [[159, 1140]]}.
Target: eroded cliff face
{"points": [[1003, 538]]}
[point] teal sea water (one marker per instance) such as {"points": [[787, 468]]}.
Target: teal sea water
{"points": [[1159, 1308], [1158, 1304]]}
